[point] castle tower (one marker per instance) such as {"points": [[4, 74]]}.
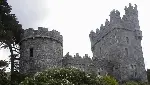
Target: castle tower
{"points": [[40, 49], [117, 46]]}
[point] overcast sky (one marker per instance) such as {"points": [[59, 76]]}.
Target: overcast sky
{"points": [[75, 19]]}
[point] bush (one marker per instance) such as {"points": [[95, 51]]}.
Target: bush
{"points": [[136, 83], [107, 80], [3, 78], [61, 76], [131, 83]]}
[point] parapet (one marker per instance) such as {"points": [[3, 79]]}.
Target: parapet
{"points": [[131, 10], [42, 33], [76, 56], [129, 21]]}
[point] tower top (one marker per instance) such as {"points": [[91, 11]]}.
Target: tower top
{"points": [[129, 21], [42, 33], [130, 11]]}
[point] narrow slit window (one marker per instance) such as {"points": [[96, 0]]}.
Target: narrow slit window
{"points": [[127, 39], [100, 50], [126, 50], [31, 52]]}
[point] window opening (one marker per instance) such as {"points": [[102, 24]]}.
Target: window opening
{"points": [[126, 51], [100, 50], [31, 52], [127, 39]]}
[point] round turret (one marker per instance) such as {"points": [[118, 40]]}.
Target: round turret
{"points": [[40, 49]]}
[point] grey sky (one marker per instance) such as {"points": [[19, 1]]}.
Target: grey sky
{"points": [[76, 18]]}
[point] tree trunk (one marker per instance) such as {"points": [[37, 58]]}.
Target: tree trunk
{"points": [[12, 64]]}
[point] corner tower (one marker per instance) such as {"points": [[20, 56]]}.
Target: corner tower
{"points": [[40, 49], [117, 46]]}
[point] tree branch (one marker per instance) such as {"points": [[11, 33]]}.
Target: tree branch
{"points": [[15, 48], [16, 51]]}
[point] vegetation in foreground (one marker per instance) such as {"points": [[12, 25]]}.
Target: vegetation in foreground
{"points": [[59, 76]]}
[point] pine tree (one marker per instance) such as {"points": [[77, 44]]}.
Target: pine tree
{"points": [[10, 31]]}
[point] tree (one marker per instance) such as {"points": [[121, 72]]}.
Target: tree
{"points": [[3, 76], [10, 31], [148, 75], [3, 63], [67, 76], [107, 80], [59, 76]]}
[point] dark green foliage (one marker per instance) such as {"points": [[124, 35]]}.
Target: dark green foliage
{"points": [[3, 63], [135, 83], [57, 76], [10, 31], [68, 76], [148, 75], [131, 83], [3, 78], [18, 77], [107, 80]]}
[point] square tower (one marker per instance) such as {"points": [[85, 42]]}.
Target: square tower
{"points": [[117, 46]]}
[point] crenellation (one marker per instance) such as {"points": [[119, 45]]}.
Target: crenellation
{"points": [[115, 19], [129, 21], [86, 56], [131, 11], [116, 49], [97, 31], [77, 61], [107, 23], [118, 46], [43, 33], [42, 29]]}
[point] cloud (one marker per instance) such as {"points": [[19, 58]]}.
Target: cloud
{"points": [[76, 18], [30, 12]]}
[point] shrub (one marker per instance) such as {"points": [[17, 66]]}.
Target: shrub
{"points": [[61, 76], [131, 83], [107, 80]]}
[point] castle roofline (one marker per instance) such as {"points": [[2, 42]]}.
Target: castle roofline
{"points": [[131, 14], [41, 33]]}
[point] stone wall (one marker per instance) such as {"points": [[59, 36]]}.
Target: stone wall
{"points": [[83, 63], [40, 49], [117, 46]]}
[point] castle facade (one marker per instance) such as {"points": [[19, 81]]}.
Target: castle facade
{"points": [[116, 48]]}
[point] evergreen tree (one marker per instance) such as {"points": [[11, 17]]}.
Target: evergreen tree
{"points": [[10, 31]]}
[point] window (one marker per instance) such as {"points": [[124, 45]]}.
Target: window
{"points": [[132, 66], [135, 74], [31, 52], [99, 73], [127, 39], [100, 50], [126, 51]]}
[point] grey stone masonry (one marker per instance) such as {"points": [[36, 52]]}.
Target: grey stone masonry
{"points": [[40, 49], [116, 46], [83, 63]]}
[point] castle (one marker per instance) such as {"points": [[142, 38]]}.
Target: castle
{"points": [[116, 48]]}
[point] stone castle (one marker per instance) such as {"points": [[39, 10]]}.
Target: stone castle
{"points": [[116, 48]]}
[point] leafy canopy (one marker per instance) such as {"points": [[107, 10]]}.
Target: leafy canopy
{"points": [[67, 76]]}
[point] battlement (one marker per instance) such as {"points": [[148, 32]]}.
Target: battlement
{"points": [[129, 21], [76, 56], [42, 33], [131, 11]]}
